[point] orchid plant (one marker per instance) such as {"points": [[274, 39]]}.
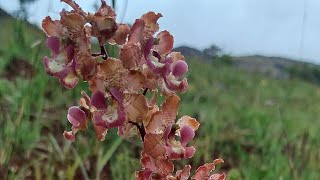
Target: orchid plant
{"points": [[118, 86]]}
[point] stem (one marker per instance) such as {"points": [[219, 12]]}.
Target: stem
{"points": [[103, 53], [141, 129], [145, 91]]}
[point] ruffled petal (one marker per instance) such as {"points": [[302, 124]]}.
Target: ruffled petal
{"points": [[112, 117], [105, 10], [154, 146], [162, 119], [184, 173], [131, 56], [151, 24], [101, 132], [170, 85], [135, 106], [121, 34], [98, 100], [160, 166], [70, 81], [217, 177], [74, 23], [177, 151], [136, 32], [203, 172], [188, 121], [165, 44], [52, 28]]}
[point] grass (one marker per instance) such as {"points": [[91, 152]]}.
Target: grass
{"points": [[263, 128]]}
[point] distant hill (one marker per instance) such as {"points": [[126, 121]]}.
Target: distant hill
{"points": [[15, 31], [4, 14], [274, 67], [192, 52]]}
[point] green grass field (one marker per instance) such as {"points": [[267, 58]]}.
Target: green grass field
{"points": [[263, 128]]}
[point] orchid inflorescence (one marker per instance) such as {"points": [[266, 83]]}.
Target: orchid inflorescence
{"points": [[118, 86]]}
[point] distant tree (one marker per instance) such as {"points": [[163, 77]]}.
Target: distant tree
{"points": [[22, 12], [213, 51]]}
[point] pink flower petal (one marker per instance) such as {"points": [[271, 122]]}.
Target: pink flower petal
{"points": [[98, 100], [117, 94], [53, 44], [186, 134], [180, 68], [76, 116], [69, 135], [70, 52]]}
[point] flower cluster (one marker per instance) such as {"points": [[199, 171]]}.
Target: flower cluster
{"points": [[118, 86]]}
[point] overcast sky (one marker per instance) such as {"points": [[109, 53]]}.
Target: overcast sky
{"points": [[289, 28]]}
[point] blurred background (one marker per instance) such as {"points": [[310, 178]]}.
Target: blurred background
{"points": [[254, 86]]}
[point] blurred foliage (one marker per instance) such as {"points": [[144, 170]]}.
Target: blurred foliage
{"points": [[213, 51], [306, 72]]}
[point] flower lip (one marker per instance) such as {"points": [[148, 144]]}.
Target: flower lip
{"points": [[186, 134], [98, 100], [53, 44], [76, 116]]}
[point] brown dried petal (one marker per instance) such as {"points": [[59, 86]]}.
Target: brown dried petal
{"points": [[121, 34], [104, 28], [136, 31], [151, 25], [101, 132], [184, 173], [176, 56], [133, 81], [131, 56], [105, 10], [217, 177], [135, 105], [52, 28], [167, 116], [74, 24], [152, 110], [154, 146], [111, 71], [165, 42], [155, 125], [74, 6], [188, 121], [128, 130], [162, 167], [170, 109], [116, 75], [203, 172], [97, 84], [87, 66]]}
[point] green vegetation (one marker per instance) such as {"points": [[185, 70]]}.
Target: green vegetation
{"points": [[263, 128], [306, 72]]}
